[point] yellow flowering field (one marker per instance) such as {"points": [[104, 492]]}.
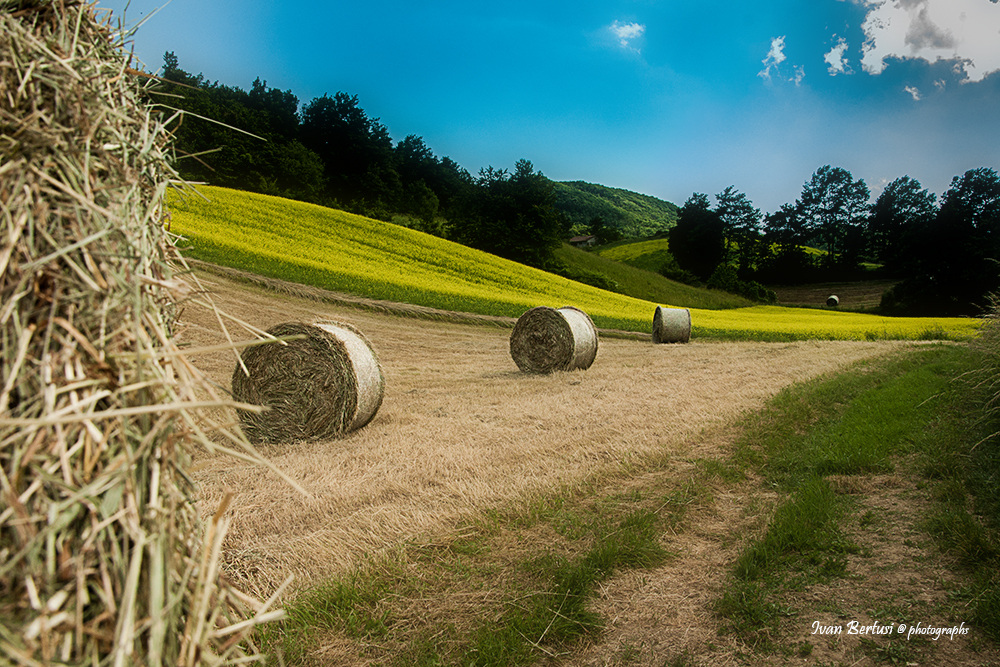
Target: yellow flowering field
{"points": [[340, 251]]}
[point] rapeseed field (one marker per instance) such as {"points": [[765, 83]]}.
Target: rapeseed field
{"points": [[340, 251]]}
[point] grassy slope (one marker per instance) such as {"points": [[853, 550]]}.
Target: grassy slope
{"points": [[647, 284], [914, 417], [339, 251], [650, 254]]}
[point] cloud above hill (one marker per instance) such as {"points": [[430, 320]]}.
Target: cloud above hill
{"points": [[965, 32]]}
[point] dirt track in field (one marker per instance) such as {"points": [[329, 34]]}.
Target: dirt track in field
{"points": [[461, 430]]}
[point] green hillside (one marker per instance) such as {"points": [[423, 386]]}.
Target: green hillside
{"points": [[644, 283], [649, 254], [634, 215], [652, 254], [340, 251]]}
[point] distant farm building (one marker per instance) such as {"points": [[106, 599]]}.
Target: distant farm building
{"points": [[583, 241]]}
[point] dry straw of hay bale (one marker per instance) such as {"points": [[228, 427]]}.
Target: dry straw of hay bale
{"points": [[318, 381], [671, 325], [833, 301], [549, 339], [103, 559]]}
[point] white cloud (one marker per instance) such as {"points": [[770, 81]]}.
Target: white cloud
{"points": [[775, 57], [626, 33], [836, 59], [914, 92], [966, 32]]}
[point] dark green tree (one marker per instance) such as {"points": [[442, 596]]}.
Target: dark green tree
{"points": [[414, 160], [451, 185], [953, 262], [430, 185], [226, 136], [420, 201], [604, 232], [279, 107], [356, 151], [742, 221], [835, 208], [966, 237], [786, 261], [902, 210], [512, 215], [698, 240]]}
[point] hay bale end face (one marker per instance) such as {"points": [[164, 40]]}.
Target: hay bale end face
{"points": [[323, 382], [546, 339], [671, 325], [833, 301]]}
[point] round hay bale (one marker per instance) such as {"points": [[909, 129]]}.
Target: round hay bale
{"points": [[549, 339], [671, 325], [833, 301], [320, 385]]}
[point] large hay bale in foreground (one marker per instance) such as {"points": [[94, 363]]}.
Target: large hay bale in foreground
{"points": [[321, 383], [549, 339], [103, 559], [671, 325]]}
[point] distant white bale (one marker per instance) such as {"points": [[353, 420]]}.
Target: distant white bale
{"points": [[671, 325]]}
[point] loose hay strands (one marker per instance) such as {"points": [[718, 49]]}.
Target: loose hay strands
{"points": [[324, 381], [548, 339], [100, 557], [671, 325]]}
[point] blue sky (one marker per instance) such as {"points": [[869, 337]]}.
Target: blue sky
{"points": [[664, 97]]}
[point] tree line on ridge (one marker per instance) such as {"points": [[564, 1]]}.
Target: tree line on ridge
{"points": [[943, 254], [329, 151]]}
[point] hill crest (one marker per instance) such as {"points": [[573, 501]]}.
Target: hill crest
{"points": [[633, 214]]}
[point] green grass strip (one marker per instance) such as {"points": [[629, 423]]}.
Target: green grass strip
{"points": [[540, 600], [854, 423], [960, 457]]}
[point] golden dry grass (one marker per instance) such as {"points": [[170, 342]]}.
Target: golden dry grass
{"points": [[462, 430]]}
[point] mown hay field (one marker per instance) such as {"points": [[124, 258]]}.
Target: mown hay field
{"points": [[462, 431], [339, 251]]}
